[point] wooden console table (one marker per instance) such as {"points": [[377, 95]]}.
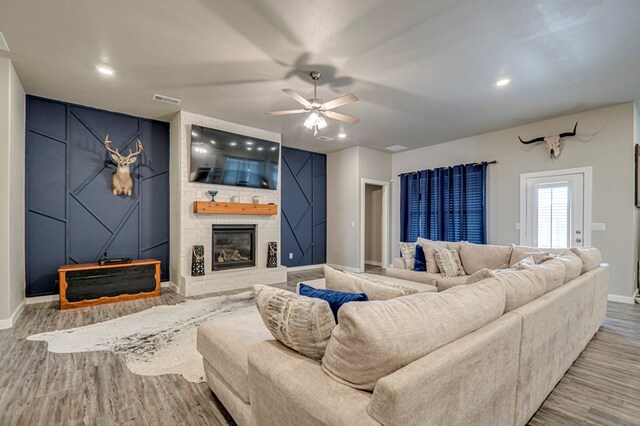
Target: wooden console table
{"points": [[90, 284]]}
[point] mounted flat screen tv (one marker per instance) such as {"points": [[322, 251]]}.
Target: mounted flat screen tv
{"points": [[224, 158]]}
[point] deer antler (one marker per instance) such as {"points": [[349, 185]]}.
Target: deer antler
{"points": [[107, 145], [139, 149]]}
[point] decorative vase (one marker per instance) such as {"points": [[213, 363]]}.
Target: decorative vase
{"points": [[212, 194], [197, 261], [272, 256], [256, 199], [235, 199]]}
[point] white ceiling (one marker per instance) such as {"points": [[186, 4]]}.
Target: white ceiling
{"points": [[424, 70]]}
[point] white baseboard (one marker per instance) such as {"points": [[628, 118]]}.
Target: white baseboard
{"points": [[305, 267], [345, 268], [42, 299], [373, 262], [169, 284], [621, 299], [10, 322]]}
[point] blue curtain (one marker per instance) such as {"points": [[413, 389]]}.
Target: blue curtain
{"points": [[446, 204]]}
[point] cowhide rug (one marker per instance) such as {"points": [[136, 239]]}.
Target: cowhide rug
{"points": [[159, 340]]}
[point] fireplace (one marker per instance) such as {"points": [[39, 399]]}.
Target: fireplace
{"points": [[233, 246]]}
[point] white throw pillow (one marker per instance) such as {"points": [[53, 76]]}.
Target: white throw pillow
{"points": [[478, 256], [301, 323], [449, 263], [351, 283], [408, 253], [590, 256]]}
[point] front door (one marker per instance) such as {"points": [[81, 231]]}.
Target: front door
{"points": [[554, 209]]}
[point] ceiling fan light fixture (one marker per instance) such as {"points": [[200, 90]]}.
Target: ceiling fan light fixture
{"points": [[311, 121], [322, 123]]}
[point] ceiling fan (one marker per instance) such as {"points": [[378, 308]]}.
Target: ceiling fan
{"points": [[317, 108]]}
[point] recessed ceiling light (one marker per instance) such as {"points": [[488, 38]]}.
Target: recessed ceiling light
{"points": [[259, 148], [233, 144], [273, 148], [212, 141], [194, 133], [503, 81], [342, 135], [103, 69], [249, 143], [249, 149]]}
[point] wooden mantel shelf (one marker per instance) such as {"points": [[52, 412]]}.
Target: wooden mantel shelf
{"points": [[213, 207]]}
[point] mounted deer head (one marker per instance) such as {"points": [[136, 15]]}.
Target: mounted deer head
{"points": [[553, 143], [121, 182]]}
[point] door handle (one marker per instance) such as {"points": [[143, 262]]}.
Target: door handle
{"points": [[578, 232], [578, 240]]}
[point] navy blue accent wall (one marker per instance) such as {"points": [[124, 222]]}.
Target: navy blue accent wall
{"points": [[304, 207], [72, 215]]}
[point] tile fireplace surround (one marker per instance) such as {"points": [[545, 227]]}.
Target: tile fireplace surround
{"points": [[189, 229]]}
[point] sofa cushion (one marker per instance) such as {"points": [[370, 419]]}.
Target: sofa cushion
{"points": [[521, 252], [398, 262], [521, 287], [554, 272], [225, 344], [429, 247], [301, 323], [444, 283], [334, 298], [478, 256], [418, 287], [352, 283], [572, 263], [449, 263], [590, 256], [480, 275], [389, 282], [408, 253], [377, 338]]}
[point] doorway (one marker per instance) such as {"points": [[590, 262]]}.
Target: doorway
{"points": [[555, 208], [374, 206]]}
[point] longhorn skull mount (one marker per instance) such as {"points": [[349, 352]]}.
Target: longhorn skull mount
{"points": [[553, 144], [121, 182]]}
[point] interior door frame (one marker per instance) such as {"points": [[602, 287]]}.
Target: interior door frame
{"points": [[385, 220], [587, 172]]}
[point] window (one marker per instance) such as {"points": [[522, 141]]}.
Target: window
{"points": [[553, 215]]}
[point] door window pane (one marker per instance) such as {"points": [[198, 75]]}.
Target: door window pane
{"points": [[553, 214]]}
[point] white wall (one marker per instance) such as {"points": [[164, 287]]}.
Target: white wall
{"points": [[345, 171], [373, 224], [12, 147], [605, 142]]}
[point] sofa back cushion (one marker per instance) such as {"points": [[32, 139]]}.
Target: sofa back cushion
{"points": [[478, 256], [301, 323], [554, 272], [429, 248], [521, 252], [572, 263], [521, 287], [375, 339], [352, 283], [590, 256]]}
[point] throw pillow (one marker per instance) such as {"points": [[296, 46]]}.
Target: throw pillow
{"points": [[352, 283], [525, 263], [408, 253], [420, 263], [449, 263], [478, 256], [480, 275], [335, 298], [429, 247], [572, 263], [520, 252], [303, 324], [406, 290]]}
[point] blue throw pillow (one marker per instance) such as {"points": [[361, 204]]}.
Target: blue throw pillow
{"points": [[335, 298], [420, 263]]}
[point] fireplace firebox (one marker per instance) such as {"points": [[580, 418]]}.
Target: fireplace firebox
{"points": [[233, 246]]}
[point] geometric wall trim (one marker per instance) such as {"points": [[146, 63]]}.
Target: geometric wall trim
{"points": [[304, 207], [71, 214]]}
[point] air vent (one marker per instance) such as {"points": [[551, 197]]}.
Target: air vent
{"points": [[166, 99], [3, 43], [325, 138], [396, 148]]}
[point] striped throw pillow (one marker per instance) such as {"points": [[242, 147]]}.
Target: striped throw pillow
{"points": [[449, 263]]}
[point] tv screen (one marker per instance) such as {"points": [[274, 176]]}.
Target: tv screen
{"points": [[224, 158]]}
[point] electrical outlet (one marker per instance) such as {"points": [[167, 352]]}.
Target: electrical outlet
{"points": [[290, 255]]}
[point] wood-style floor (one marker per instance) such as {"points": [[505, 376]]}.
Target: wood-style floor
{"points": [[42, 388]]}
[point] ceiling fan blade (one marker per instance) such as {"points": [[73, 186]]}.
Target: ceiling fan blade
{"points": [[343, 100], [342, 117], [287, 112], [297, 97]]}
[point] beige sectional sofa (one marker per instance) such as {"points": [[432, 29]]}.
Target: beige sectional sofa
{"points": [[510, 346]]}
